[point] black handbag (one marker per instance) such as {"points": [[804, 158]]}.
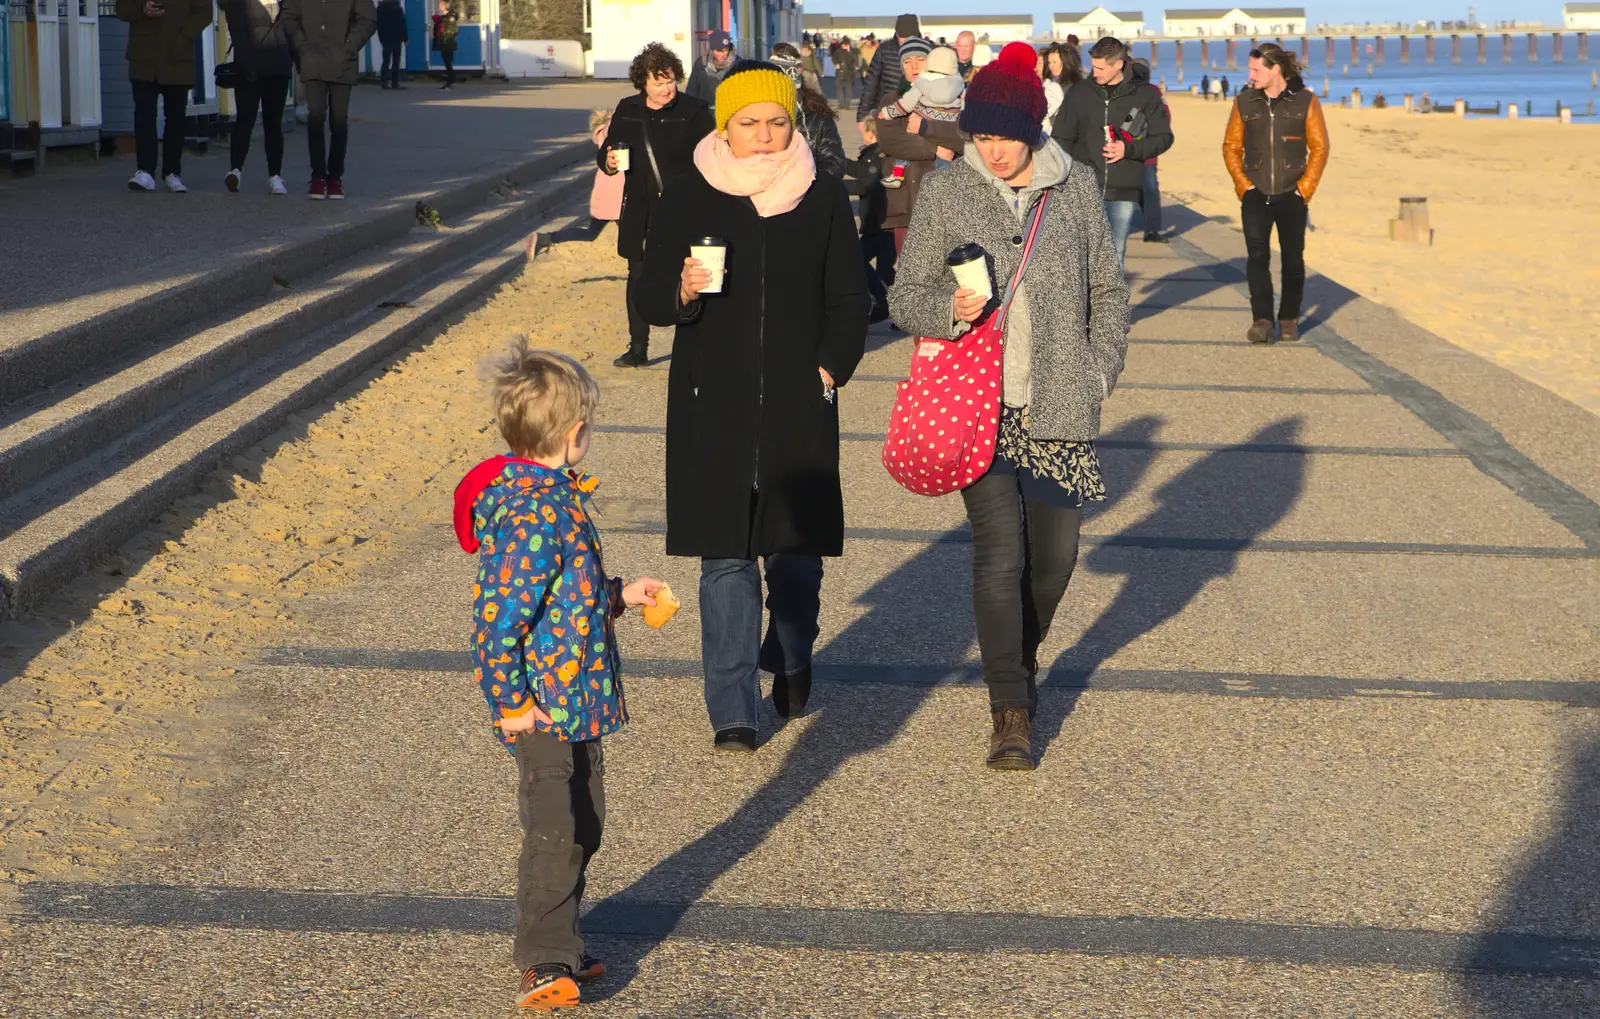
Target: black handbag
{"points": [[229, 74]]}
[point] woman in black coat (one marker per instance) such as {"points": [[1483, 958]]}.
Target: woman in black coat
{"points": [[660, 126], [752, 423], [327, 36], [261, 50]]}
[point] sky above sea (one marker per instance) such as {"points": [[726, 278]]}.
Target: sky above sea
{"points": [[1342, 12]]}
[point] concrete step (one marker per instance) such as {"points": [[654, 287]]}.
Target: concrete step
{"points": [[70, 519], [49, 430], [46, 346]]}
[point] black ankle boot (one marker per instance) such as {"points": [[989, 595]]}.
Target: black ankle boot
{"points": [[790, 693], [634, 357]]}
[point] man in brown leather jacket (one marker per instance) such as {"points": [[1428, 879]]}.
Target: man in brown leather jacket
{"points": [[1276, 147]]}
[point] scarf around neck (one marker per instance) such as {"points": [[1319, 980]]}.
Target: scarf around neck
{"points": [[774, 181]]}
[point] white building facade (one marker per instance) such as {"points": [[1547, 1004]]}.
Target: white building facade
{"points": [[621, 28], [1581, 17], [1000, 28], [1235, 21], [1097, 23]]}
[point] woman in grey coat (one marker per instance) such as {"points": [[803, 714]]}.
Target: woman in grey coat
{"points": [[1065, 339]]}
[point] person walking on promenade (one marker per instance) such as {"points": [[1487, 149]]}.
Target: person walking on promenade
{"points": [[1150, 201], [1054, 93], [877, 244], [919, 141], [327, 36], [1275, 148], [1114, 121], [708, 73], [1205, 87], [545, 645], [261, 51], [810, 66], [660, 127], [1065, 338], [752, 418], [865, 52], [845, 69], [393, 34], [966, 45], [605, 196], [886, 71], [161, 68], [814, 115], [1217, 91], [1225, 92], [446, 26]]}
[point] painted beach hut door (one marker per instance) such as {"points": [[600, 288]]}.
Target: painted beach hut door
{"points": [[81, 25], [48, 48]]}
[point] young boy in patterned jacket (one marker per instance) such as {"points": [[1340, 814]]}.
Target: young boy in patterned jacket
{"points": [[545, 646]]}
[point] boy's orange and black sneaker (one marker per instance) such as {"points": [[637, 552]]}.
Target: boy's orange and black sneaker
{"points": [[547, 988]]}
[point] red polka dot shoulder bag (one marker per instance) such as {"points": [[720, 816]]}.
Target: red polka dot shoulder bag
{"points": [[946, 415]]}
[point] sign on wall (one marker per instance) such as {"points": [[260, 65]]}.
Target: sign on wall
{"points": [[542, 58]]}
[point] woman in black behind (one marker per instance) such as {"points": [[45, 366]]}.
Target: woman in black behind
{"points": [[660, 126]]}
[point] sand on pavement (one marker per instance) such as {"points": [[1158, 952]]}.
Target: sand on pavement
{"points": [[1514, 271]]}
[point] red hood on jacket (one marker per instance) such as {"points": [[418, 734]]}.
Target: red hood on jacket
{"points": [[467, 492]]}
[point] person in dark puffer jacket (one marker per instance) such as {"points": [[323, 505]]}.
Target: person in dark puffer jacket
{"points": [[1115, 99]]}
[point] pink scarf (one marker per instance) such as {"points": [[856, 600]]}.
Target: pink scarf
{"points": [[775, 181]]}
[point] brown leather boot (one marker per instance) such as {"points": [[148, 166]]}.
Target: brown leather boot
{"points": [[1011, 742], [1260, 331], [1288, 330]]}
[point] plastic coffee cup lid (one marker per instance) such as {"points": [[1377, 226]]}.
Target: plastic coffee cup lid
{"points": [[708, 242], [965, 253]]}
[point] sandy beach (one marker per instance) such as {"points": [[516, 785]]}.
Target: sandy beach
{"points": [[1514, 272]]}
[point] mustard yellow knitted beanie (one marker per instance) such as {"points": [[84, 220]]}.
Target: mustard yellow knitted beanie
{"points": [[749, 82]]}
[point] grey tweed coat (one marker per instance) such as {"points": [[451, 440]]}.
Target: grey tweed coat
{"points": [[1077, 294]]}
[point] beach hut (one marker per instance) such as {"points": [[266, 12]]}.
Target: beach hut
{"points": [[1099, 22], [51, 62], [477, 39]]}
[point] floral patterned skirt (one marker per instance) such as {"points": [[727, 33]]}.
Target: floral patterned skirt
{"points": [[1059, 473]]}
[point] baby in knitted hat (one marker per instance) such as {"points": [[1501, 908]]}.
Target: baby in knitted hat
{"points": [[936, 94]]}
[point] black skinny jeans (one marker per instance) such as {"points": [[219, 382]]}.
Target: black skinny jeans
{"points": [[561, 797], [326, 100], [1260, 214], [175, 100], [267, 94], [389, 71], [1023, 554], [449, 57], [638, 327]]}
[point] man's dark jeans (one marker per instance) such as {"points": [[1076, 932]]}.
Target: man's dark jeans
{"points": [[1152, 201], [561, 796], [327, 101], [1023, 555], [175, 102], [732, 649], [1260, 214], [389, 72]]}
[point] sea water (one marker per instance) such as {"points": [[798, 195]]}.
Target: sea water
{"points": [[1519, 81]]}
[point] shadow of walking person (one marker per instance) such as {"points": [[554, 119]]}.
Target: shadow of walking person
{"points": [[1219, 494], [850, 720], [1547, 922]]}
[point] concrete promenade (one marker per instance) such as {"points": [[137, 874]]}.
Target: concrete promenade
{"points": [[78, 242], [1321, 735]]}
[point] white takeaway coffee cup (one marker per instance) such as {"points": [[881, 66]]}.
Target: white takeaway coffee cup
{"points": [[620, 150], [713, 255], [971, 269]]}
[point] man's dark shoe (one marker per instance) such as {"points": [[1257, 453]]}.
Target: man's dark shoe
{"points": [[790, 693], [1154, 239], [1288, 330], [1260, 331], [633, 357], [547, 988], [1011, 742], [589, 970], [739, 740]]}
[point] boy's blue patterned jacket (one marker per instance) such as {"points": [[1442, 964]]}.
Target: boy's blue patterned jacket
{"points": [[543, 608]]}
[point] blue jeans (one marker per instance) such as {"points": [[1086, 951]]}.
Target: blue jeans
{"points": [[1120, 215], [732, 650]]}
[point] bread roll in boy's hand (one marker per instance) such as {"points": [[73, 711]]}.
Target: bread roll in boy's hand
{"points": [[665, 608]]}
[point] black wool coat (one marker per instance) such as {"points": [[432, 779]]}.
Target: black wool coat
{"points": [[752, 444], [327, 36], [674, 130], [260, 44]]}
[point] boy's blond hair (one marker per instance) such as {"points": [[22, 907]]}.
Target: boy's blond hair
{"points": [[538, 395]]}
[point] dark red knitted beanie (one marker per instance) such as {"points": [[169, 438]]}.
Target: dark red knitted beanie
{"points": [[1006, 97]]}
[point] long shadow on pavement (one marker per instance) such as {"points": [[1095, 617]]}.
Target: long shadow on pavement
{"points": [[1159, 586], [851, 722], [1557, 894]]}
